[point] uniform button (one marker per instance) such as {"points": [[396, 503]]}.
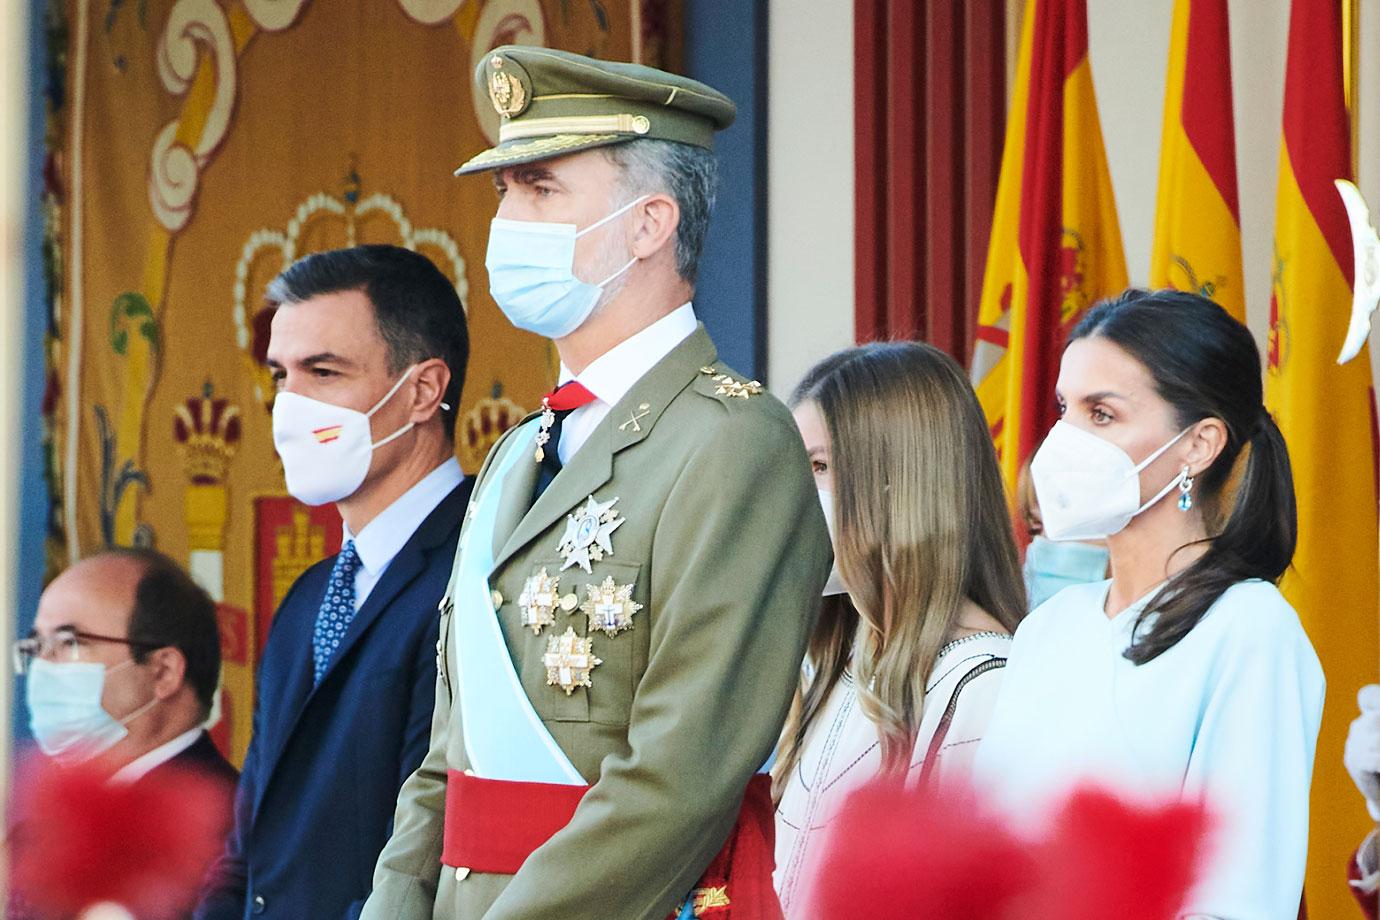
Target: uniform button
{"points": [[259, 904], [461, 873], [497, 598]]}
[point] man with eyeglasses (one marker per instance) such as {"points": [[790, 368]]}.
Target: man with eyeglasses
{"points": [[121, 668], [119, 673]]}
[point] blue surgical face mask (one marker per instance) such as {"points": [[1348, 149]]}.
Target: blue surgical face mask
{"points": [[1051, 567], [532, 274], [65, 712]]}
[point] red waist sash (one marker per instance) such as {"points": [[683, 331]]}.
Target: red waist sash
{"points": [[494, 825]]}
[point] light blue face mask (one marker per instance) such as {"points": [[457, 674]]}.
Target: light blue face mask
{"points": [[532, 274], [65, 712], [1051, 567]]}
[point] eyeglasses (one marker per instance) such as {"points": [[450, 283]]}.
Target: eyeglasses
{"points": [[66, 645]]}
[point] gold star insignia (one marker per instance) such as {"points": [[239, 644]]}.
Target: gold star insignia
{"points": [[610, 607], [588, 534], [730, 386], [539, 600], [569, 659]]}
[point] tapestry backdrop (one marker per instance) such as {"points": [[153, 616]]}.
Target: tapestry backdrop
{"points": [[195, 148]]}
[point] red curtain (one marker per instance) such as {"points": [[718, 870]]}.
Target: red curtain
{"points": [[930, 117]]}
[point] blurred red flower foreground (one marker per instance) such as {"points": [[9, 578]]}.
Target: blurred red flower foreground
{"points": [[77, 840], [898, 854]]}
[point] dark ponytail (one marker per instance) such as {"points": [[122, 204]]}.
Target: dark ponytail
{"points": [[1206, 365]]}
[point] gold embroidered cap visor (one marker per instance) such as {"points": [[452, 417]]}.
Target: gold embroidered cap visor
{"points": [[553, 103]]}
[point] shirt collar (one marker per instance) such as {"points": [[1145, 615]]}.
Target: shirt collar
{"points": [[140, 766], [611, 375], [386, 534]]}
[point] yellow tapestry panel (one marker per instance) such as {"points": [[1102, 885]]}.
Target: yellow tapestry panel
{"points": [[197, 148]]}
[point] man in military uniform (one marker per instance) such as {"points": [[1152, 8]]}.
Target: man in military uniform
{"points": [[642, 560]]}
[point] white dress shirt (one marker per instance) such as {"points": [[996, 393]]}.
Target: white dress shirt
{"points": [[386, 534], [140, 766], [1229, 715], [611, 375], [842, 752]]}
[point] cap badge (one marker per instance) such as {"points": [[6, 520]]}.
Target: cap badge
{"points": [[506, 92]]}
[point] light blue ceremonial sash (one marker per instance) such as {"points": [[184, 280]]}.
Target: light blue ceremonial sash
{"points": [[504, 737]]}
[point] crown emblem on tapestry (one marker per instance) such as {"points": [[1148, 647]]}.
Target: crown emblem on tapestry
{"points": [[322, 222]]}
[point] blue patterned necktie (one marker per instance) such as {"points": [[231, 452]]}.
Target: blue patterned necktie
{"points": [[337, 610]]}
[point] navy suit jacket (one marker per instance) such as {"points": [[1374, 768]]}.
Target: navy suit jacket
{"points": [[202, 758], [320, 781]]}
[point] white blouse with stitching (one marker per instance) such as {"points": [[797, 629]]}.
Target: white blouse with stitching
{"points": [[842, 752]]}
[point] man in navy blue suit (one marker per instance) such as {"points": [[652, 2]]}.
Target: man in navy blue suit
{"points": [[368, 349]]}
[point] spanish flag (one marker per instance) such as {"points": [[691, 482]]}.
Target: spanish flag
{"points": [[1325, 413], [1055, 247], [1198, 219]]}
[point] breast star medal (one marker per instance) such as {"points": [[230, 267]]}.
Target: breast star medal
{"points": [[539, 600], [610, 607], [569, 659], [588, 534]]}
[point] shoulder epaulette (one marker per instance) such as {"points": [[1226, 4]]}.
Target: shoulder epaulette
{"points": [[729, 386]]}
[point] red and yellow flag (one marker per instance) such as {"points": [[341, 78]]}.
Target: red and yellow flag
{"points": [[1056, 245], [1325, 413], [1197, 218]]}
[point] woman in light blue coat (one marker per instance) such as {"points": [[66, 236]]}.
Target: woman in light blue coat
{"points": [[1186, 675]]}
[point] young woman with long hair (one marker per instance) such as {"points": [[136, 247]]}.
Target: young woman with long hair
{"points": [[1187, 675], [905, 659]]}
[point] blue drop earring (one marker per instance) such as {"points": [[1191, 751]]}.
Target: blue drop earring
{"points": [[1186, 491]]}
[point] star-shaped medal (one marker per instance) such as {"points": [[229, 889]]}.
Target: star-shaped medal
{"points": [[610, 607], [569, 659], [588, 534], [538, 601]]}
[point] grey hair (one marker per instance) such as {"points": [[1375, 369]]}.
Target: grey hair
{"points": [[687, 173]]}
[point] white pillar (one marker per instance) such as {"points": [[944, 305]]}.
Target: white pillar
{"points": [[809, 186], [14, 114]]}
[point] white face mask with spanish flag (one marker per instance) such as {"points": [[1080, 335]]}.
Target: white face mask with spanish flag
{"points": [[326, 449]]}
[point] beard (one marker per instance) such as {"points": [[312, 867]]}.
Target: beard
{"points": [[610, 266]]}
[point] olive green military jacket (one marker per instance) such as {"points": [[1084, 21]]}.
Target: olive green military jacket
{"points": [[725, 545]]}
